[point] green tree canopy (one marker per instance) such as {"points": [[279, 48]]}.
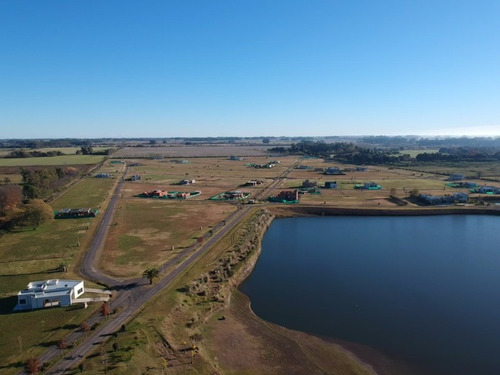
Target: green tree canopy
{"points": [[150, 274]]}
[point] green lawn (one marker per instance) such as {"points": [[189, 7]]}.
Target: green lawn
{"points": [[414, 153], [31, 255], [87, 193]]}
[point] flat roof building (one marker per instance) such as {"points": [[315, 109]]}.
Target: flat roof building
{"points": [[49, 293]]}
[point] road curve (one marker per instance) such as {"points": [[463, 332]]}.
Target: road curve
{"points": [[131, 295]]}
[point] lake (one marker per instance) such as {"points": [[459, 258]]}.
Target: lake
{"points": [[424, 289]]}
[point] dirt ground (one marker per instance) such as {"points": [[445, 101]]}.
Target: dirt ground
{"points": [[239, 342]]}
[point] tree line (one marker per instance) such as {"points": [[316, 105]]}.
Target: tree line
{"points": [[23, 206], [359, 154], [84, 150]]}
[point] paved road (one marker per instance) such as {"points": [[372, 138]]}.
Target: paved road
{"points": [[131, 295], [87, 269]]}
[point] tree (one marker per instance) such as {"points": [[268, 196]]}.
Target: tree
{"points": [[87, 150], [85, 327], [61, 345], [37, 212], [150, 274], [33, 365], [105, 310], [266, 140], [10, 197]]}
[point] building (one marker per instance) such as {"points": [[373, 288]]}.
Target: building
{"points": [[49, 293], [67, 213], [234, 194], [253, 183], [368, 186], [462, 184], [455, 177], [333, 171], [443, 199], [309, 184], [286, 196], [330, 184], [488, 190]]}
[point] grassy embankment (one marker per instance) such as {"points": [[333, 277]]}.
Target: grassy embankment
{"points": [[202, 310], [29, 255]]}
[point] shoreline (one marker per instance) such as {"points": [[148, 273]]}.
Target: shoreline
{"points": [[371, 358], [315, 210]]}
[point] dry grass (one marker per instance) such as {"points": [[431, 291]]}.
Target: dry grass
{"points": [[183, 151], [146, 229]]}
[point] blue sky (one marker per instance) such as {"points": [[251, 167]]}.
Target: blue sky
{"points": [[248, 68]]}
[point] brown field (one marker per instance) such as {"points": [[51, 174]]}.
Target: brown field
{"points": [[192, 151], [146, 229]]}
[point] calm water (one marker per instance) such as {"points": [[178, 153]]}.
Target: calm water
{"points": [[423, 289]]}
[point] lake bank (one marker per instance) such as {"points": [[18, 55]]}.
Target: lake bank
{"points": [[287, 350], [315, 210], [463, 249]]}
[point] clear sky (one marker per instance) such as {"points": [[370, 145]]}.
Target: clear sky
{"points": [[73, 68]]}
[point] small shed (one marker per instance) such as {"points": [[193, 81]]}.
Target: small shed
{"points": [[330, 184]]}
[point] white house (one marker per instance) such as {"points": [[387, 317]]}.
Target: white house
{"points": [[49, 293]]}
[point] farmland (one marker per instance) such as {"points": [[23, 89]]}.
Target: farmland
{"points": [[191, 151], [53, 160]]}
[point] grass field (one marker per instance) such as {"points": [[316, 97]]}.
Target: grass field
{"points": [[30, 255], [54, 160], [414, 153]]}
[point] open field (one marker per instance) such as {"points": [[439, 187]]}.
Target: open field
{"points": [[212, 175], [183, 151], [143, 233], [26, 253], [10, 178], [64, 150], [469, 170], [414, 153], [147, 229], [29, 255], [53, 160]]}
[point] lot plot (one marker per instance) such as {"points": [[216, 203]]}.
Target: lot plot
{"points": [[146, 229], [398, 181], [469, 170], [212, 175], [30, 254]]}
